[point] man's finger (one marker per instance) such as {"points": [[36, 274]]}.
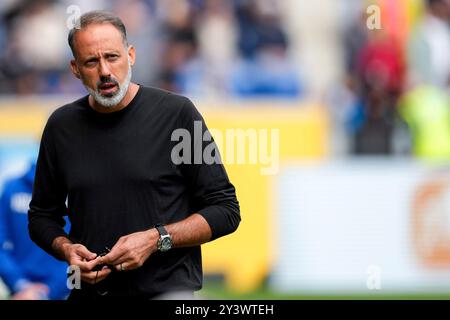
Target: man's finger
{"points": [[89, 276], [114, 256], [89, 265], [103, 274], [93, 277], [121, 266], [83, 252]]}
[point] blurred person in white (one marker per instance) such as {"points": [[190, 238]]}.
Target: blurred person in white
{"points": [[41, 21], [42, 63], [429, 49], [26, 65], [217, 37]]}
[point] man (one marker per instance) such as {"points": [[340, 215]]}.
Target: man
{"points": [[28, 272], [110, 155]]}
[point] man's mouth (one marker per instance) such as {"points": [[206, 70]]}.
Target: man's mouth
{"points": [[107, 88]]}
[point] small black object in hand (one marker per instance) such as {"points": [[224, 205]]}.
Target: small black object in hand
{"points": [[99, 267]]}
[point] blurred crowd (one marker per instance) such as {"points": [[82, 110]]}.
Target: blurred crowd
{"points": [[391, 95], [398, 80], [207, 48]]}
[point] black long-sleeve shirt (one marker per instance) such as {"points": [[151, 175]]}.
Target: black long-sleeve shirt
{"points": [[117, 174]]}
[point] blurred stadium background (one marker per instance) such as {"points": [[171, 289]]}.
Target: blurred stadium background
{"points": [[360, 205]]}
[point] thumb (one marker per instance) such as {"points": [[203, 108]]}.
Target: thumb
{"points": [[85, 253]]}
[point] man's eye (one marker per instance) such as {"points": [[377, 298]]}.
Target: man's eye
{"points": [[113, 57], [90, 63]]}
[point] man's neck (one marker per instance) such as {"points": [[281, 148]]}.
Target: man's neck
{"points": [[131, 93]]}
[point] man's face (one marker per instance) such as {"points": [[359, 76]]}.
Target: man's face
{"points": [[102, 62]]}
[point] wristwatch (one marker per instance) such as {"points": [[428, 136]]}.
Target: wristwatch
{"points": [[165, 242]]}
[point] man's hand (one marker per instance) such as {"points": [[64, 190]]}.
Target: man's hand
{"points": [[131, 251], [79, 255], [32, 291]]}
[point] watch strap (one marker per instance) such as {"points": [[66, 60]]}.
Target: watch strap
{"points": [[162, 231]]}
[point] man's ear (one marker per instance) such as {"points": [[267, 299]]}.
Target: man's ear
{"points": [[132, 54], [74, 68]]}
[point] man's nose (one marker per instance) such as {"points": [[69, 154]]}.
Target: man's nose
{"points": [[103, 69]]}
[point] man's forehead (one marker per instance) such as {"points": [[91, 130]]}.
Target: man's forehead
{"points": [[96, 37]]}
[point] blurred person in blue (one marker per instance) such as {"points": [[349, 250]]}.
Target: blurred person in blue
{"points": [[270, 73], [265, 68], [28, 272]]}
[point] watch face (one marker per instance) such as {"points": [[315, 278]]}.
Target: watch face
{"points": [[165, 243]]}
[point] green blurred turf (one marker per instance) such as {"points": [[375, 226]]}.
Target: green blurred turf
{"points": [[218, 291]]}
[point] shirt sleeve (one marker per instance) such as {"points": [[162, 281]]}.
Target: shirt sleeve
{"points": [[213, 193], [10, 271], [47, 206]]}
